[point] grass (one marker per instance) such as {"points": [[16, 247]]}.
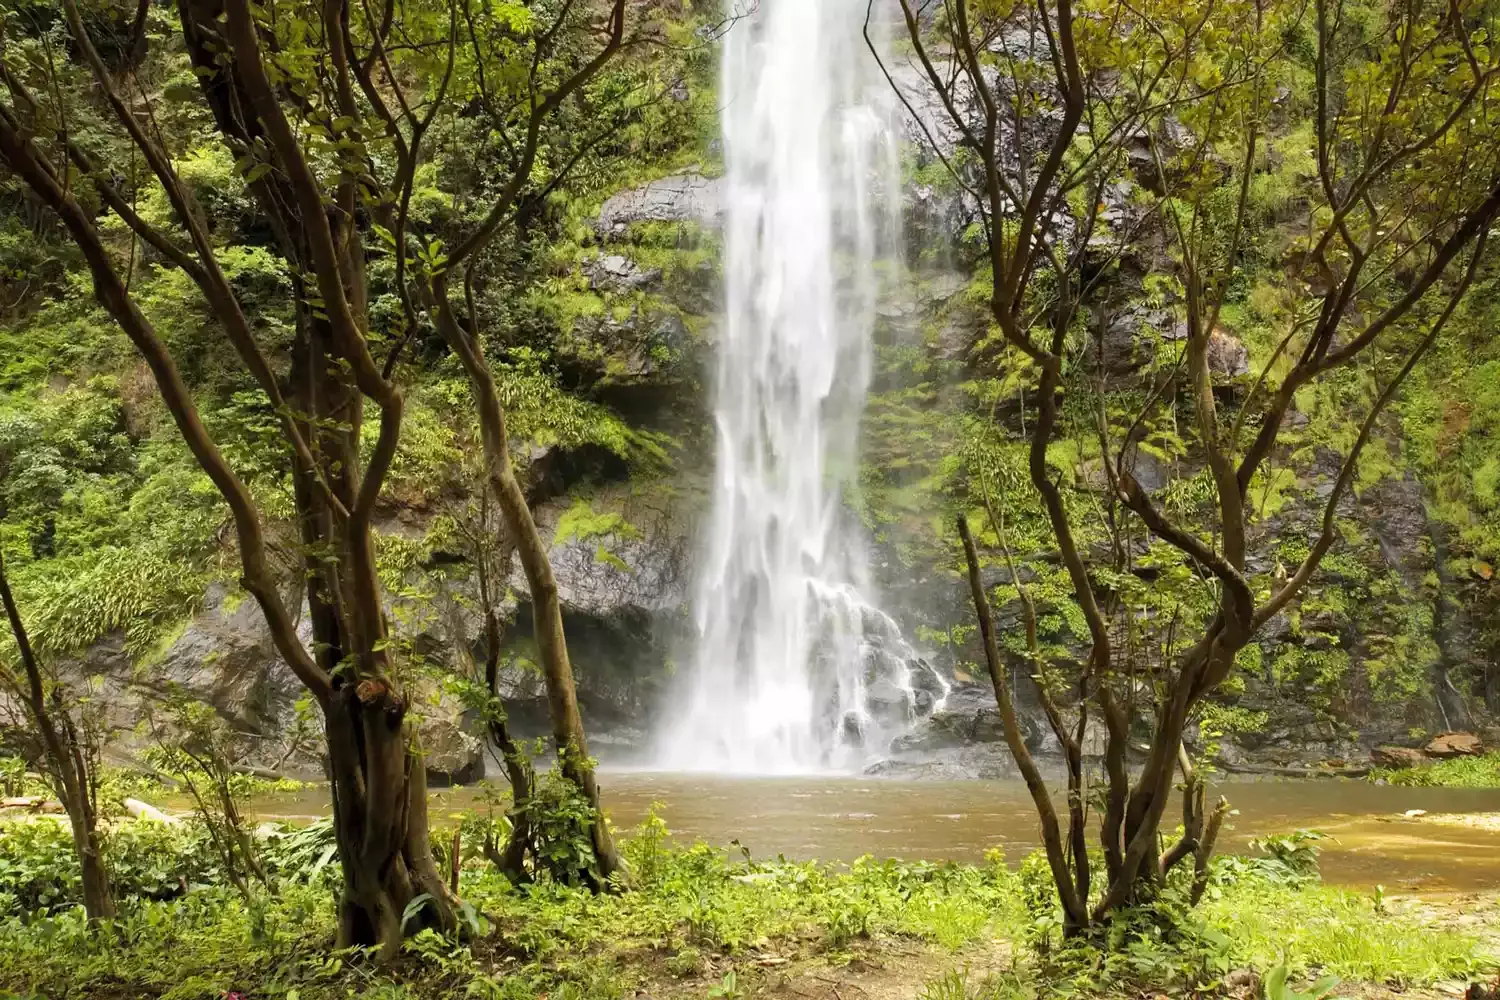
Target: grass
{"points": [[697, 917], [1348, 934], [690, 910], [1482, 771]]}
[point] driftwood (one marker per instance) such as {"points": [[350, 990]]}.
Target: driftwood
{"points": [[1272, 770], [32, 803]]}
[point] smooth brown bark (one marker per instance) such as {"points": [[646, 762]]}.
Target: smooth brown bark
{"points": [[557, 670]]}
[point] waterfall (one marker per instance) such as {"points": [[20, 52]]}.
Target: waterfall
{"points": [[795, 668]]}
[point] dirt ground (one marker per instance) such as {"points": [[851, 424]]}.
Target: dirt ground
{"points": [[878, 971]]}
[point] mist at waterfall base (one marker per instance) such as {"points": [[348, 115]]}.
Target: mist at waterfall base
{"points": [[796, 669]]}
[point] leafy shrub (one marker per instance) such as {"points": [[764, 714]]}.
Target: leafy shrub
{"points": [[147, 860], [687, 903], [648, 851], [1289, 859], [685, 962], [38, 869], [1297, 852], [16, 780], [307, 853], [1482, 771], [150, 860], [560, 819], [136, 590], [1276, 986]]}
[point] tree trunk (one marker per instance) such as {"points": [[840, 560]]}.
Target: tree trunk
{"points": [[379, 787], [546, 607], [512, 860], [67, 764], [1075, 907], [379, 792], [98, 898]]}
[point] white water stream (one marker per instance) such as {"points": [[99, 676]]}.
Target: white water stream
{"points": [[796, 669]]}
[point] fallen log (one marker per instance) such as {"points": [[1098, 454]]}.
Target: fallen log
{"points": [[22, 802], [32, 804], [144, 810], [264, 773]]}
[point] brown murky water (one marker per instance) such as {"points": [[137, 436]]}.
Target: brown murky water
{"points": [[843, 818]]}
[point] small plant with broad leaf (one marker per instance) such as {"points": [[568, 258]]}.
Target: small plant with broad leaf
{"points": [[1277, 986], [728, 988]]}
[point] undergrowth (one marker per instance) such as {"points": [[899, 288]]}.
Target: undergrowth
{"points": [[693, 920]]}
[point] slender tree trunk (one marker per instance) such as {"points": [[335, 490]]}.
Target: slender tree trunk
{"points": [[512, 860], [65, 760], [546, 607], [1075, 907], [98, 896]]}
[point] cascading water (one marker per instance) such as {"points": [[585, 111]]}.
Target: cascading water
{"points": [[795, 669]]}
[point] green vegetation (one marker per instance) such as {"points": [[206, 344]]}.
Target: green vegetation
{"points": [[1185, 394], [1479, 771], [695, 919]]}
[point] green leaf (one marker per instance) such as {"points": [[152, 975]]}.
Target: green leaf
{"points": [[470, 916], [413, 908], [323, 859]]}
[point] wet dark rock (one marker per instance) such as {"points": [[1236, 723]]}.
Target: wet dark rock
{"points": [[451, 753], [1149, 471], [969, 718], [1126, 344], [647, 347], [889, 699], [853, 729], [989, 762], [926, 122], [223, 657], [925, 677]]}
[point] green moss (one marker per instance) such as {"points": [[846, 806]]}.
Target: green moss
{"points": [[158, 649]]}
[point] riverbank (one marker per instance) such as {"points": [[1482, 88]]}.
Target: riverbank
{"points": [[842, 818], [703, 922]]}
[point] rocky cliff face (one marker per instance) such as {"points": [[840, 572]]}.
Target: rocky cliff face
{"points": [[1377, 652]]}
